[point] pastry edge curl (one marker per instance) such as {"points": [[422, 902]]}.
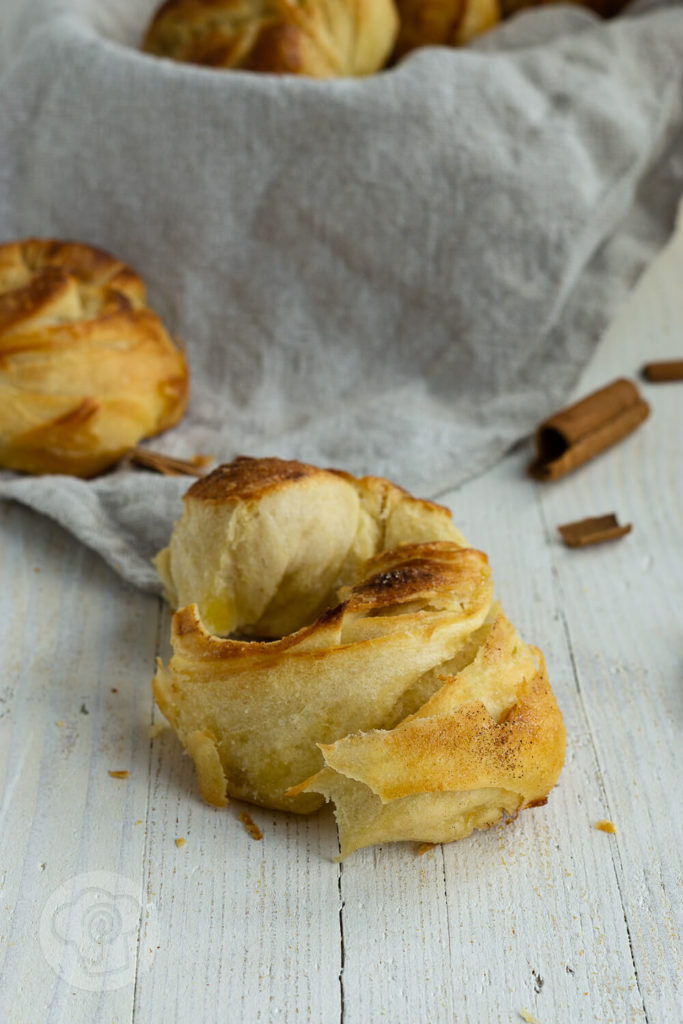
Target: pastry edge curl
{"points": [[493, 768]]}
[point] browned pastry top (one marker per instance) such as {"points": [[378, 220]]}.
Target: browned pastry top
{"points": [[47, 283], [247, 477]]}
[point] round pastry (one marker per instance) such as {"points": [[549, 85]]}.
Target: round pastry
{"points": [[411, 703], [443, 22], [86, 368], [319, 38]]}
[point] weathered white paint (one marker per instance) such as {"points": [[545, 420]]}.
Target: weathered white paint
{"points": [[545, 914]]}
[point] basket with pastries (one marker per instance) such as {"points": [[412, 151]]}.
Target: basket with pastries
{"points": [[322, 38]]}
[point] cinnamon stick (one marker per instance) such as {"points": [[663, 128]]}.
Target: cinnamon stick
{"points": [[657, 373], [168, 465], [572, 436], [593, 530]]}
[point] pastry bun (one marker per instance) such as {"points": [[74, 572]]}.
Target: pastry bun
{"points": [[318, 38], [409, 701], [86, 368], [457, 22], [443, 22]]}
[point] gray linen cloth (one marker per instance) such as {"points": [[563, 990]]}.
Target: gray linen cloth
{"points": [[397, 275]]}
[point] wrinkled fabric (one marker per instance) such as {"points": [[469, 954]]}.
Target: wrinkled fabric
{"points": [[398, 275]]}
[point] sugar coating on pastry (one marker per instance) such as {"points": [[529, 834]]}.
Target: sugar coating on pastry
{"points": [[318, 38], [263, 545], [410, 701], [489, 742], [86, 368]]}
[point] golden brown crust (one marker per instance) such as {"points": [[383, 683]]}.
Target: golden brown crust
{"points": [[319, 38], [443, 22], [246, 478], [86, 368], [281, 49], [413, 572]]}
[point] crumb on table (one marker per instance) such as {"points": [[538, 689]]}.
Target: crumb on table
{"points": [[251, 826], [605, 826]]}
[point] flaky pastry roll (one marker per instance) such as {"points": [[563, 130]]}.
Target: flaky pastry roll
{"points": [[443, 22], [409, 701], [86, 368], [318, 38]]}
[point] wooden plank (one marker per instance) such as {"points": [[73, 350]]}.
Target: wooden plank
{"points": [[547, 886], [249, 929], [73, 634], [622, 607], [527, 916], [545, 915], [396, 936]]}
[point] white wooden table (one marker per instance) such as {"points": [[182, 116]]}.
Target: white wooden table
{"points": [[544, 919]]}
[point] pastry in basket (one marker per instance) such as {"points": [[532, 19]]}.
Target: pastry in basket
{"points": [[397, 689], [319, 38], [606, 8], [443, 22], [86, 368], [457, 22]]}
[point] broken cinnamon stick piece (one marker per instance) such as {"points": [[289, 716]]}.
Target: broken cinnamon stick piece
{"points": [[657, 373], [592, 531], [578, 433], [168, 464]]}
